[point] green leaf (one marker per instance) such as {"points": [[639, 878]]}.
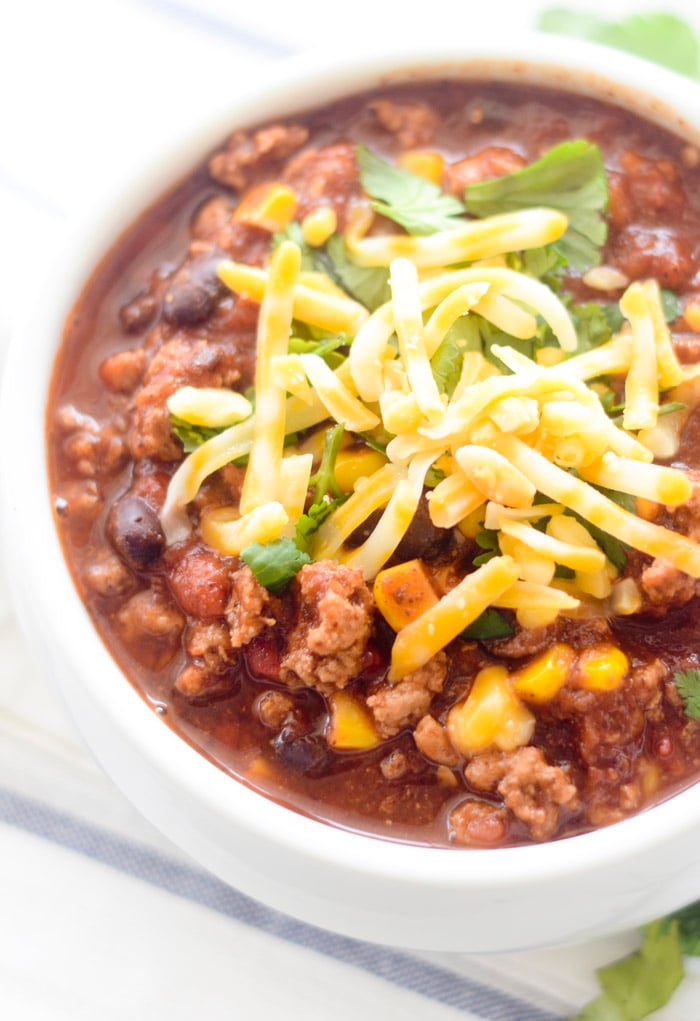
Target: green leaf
{"points": [[670, 305], [660, 37], [310, 256], [642, 982], [688, 920], [191, 436], [570, 178], [417, 205], [311, 521], [688, 684], [367, 284], [274, 564], [323, 481], [489, 624]]}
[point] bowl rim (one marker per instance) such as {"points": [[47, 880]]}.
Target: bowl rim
{"points": [[40, 585]]}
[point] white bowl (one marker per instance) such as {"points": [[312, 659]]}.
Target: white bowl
{"points": [[442, 899]]}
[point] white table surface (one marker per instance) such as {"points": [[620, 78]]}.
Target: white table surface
{"points": [[100, 917]]}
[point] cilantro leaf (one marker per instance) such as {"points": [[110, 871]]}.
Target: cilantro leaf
{"points": [[274, 564], [417, 205], [191, 436], [637, 985], [312, 520], [660, 37], [487, 540], [570, 178], [489, 624], [367, 284], [688, 684]]}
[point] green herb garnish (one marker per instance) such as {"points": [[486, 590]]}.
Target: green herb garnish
{"points": [[688, 684], [570, 178], [191, 436], [367, 284], [663, 38], [489, 624], [274, 564], [417, 205], [643, 981]]}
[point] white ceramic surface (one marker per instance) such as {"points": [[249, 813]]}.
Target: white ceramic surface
{"points": [[364, 887]]}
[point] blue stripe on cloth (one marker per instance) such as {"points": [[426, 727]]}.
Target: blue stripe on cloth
{"points": [[396, 966], [222, 28]]}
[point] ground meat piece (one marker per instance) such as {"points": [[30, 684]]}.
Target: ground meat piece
{"points": [[394, 765], [607, 798], [324, 177], [525, 642], [151, 624], [214, 225], [432, 741], [177, 363], [106, 575], [201, 582], [395, 706], [665, 586], [645, 187], [326, 647], [478, 824], [140, 312], [80, 502], [530, 641], [273, 707], [535, 792], [250, 609], [246, 152], [122, 372], [150, 613], [656, 251], [413, 123], [210, 641], [95, 450], [198, 683], [193, 291], [494, 161]]}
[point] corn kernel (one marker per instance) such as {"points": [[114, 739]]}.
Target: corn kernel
{"points": [[602, 667], [350, 724], [473, 523], [691, 314], [319, 225], [542, 678], [491, 714], [428, 165], [403, 593], [268, 205], [353, 464]]}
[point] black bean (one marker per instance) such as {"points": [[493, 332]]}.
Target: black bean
{"points": [[307, 753], [134, 530], [193, 292]]}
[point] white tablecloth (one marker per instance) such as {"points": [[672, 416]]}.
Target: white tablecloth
{"points": [[100, 917]]}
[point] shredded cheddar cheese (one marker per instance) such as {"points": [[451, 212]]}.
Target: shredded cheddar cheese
{"points": [[522, 447]]}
